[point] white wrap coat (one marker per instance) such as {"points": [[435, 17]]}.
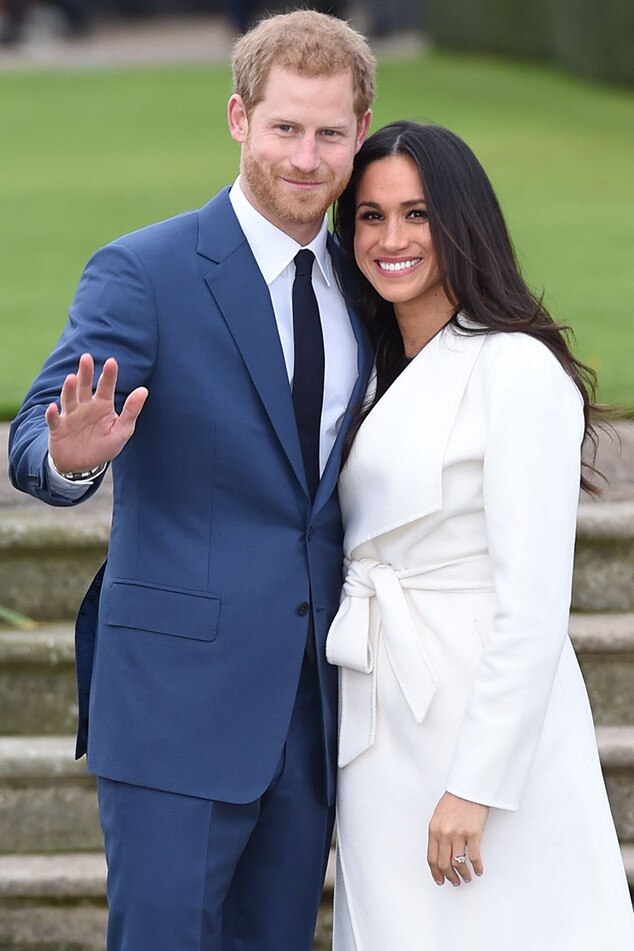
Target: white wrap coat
{"points": [[459, 501]]}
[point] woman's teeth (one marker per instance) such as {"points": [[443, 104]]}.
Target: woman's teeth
{"points": [[398, 265]]}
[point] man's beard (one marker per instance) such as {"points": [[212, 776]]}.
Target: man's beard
{"points": [[270, 193]]}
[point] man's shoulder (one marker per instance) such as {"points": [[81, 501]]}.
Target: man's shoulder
{"points": [[179, 232]]}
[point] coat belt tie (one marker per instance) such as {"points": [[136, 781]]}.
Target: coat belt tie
{"points": [[353, 640]]}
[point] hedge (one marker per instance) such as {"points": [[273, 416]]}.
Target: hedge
{"points": [[592, 39]]}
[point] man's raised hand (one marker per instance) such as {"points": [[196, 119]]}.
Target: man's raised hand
{"points": [[87, 431]]}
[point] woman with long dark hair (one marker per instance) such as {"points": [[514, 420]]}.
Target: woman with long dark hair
{"points": [[467, 748]]}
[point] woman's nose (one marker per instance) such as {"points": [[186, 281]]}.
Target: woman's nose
{"points": [[394, 236]]}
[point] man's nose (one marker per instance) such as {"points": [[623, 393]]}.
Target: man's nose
{"points": [[306, 158]]}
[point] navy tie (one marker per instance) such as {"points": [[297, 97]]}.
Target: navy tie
{"points": [[308, 375]]}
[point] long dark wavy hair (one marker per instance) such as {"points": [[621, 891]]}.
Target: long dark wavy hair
{"points": [[476, 259]]}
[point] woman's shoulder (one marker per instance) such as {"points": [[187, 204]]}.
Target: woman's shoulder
{"points": [[518, 352], [519, 364], [517, 347]]}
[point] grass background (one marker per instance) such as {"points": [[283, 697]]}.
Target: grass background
{"points": [[89, 156]]}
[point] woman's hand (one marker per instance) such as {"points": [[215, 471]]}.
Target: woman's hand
{"points": [[455, 830]]}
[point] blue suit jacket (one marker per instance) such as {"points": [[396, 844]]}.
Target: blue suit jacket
{"points": [[189, 647]]}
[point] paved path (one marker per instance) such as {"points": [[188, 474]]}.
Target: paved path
{"points": [[185, 40], [164, 41]]}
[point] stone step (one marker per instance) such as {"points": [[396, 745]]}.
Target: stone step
{"points": [[605, 647], [49, 902], [48, 557], [47, 799], [38, 694], [604, 559], [627, 851], [616, 747]]}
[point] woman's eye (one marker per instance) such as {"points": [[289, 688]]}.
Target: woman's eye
{"points": [[419, 213], [369, 216]]}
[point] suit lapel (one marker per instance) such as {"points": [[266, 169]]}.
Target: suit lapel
{"points": [[243, 299]]}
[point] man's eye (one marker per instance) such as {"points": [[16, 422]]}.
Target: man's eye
{"points": [[283, 127], [330, 133]]}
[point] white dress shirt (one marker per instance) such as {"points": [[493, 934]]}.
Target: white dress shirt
{"points": [[274, 252]]}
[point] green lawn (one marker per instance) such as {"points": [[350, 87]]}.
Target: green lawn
{"points": [[88, 156]]}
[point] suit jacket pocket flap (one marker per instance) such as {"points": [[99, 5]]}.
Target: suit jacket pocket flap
{"points": [[163, 610]]}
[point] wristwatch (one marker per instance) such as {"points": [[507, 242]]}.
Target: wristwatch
{"points": [[89, 474]]}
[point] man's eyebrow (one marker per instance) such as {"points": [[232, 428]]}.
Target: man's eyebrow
{"points": [[338, 125]]}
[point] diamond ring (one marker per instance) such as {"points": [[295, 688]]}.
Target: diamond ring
{"points": [[459, 859]]}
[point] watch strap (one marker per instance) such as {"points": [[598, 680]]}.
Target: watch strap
{"points": [[88, 475]]}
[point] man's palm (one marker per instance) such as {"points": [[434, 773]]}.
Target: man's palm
{"points": [[87, 431]]}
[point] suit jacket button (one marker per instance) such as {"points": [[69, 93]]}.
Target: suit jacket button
{"points": [[303, 608]]}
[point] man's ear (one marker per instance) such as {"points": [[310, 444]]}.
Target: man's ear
{"points": [[362, 129], [237, 118]]}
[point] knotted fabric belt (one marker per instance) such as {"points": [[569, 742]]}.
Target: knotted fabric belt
{"points": [[353, 639]]}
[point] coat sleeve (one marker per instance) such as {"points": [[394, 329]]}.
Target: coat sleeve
{"points": [[534, 430], [113, 314]]}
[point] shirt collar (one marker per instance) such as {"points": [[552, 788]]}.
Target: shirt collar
{"points": [[273, 249]]}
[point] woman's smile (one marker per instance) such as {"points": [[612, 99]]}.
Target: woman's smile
{"points": [[397, 267]]}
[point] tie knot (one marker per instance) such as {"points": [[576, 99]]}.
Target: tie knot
{"points": [[304, 263]]}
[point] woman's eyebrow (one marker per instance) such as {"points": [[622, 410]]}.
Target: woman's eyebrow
{"points": [[404, 204]]}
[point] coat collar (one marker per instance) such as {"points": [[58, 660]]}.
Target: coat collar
{"points": [[394, 472]]}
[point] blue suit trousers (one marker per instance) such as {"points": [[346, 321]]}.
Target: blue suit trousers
{"points": [[193, 874]]}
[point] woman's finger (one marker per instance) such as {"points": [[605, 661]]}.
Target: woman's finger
{"points": [[475, 856], [432, 861], [445, 862], [459, 860]]}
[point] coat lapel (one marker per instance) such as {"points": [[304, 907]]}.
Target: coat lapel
{"points": [[243, 299], [394, 473]]}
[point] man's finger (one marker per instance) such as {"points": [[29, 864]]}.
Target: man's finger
{"points": [[133, 406], [52, 417], [85, 375], [107, 382], [68, 396]]}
